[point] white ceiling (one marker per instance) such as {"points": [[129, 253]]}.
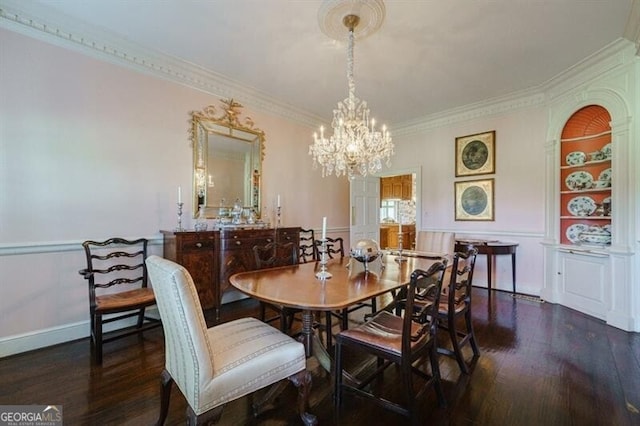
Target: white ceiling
{"points": [[428, 56]]}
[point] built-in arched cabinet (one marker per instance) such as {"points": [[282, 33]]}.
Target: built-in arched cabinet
{"points": [[586, 179], [589, 225]]}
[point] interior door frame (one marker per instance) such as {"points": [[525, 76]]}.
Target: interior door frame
{"points": [[395, 172]]}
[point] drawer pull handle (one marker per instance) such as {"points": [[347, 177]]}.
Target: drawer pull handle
{"points": [[238, 243], [269, 240], [199, 245]]}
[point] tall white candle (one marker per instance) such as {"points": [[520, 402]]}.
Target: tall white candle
{"points": [[179, 194], [400, 229], [324, 227], [278, 200]]}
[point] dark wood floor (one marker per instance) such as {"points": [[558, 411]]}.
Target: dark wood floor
{"points": [[541, 364]]}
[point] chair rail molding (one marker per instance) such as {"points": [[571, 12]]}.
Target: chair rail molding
{"points": [[12, 249]]}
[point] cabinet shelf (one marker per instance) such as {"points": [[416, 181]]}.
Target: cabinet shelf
{"points": [[591, 190], [587, 217], [587, 163]]}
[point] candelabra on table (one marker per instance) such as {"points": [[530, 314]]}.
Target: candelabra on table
{"points": [[323, 274], [399, 258], [179, 227]]}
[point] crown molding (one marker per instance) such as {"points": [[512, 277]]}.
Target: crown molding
{"points": [[27, 19], [632, 29], [615, 55], [498, 105]]}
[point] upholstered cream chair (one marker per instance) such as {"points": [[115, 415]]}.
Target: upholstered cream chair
{"points": [[436, 242], [225, 362]]}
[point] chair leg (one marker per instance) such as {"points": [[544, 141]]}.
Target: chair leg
{"points": [[98, 338], [471, 334], [337, 373], [140, 317], [407, 380], [166, 382], [345, 319], [329, 338], [435, 375], [207, 418], [302, 380], [262, 312], [457, 350]]}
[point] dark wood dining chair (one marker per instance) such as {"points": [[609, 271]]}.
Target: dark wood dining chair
{"points": [[272, 255], [396, 340], [456, 304], [335, 249], [117, 263], [307, 246]]}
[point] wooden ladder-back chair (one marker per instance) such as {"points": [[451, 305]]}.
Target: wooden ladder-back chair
{"points": [[307, 248], [213, 366], [401, 341], [117, 263], [456, 304], [272, 255]]}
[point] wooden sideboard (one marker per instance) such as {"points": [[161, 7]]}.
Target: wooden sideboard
{"points": [[211, 257]]}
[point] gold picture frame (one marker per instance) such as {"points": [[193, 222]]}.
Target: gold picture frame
{"points": [[476, 154], [474, 200]]}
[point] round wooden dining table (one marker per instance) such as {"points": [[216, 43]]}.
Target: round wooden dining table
{"points": [[297, 287]]}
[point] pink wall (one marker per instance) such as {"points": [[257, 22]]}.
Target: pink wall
{"points": [[91, 150]]}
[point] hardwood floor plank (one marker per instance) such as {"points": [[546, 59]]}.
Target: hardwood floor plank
{"points": [[540, 364]]}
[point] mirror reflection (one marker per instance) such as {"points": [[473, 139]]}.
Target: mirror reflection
{"points": [[227, 163]]}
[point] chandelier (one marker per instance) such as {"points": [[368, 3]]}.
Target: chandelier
{"points": [[356, 146]]}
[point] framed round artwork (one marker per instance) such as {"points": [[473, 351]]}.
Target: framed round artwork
{"points": [[474, 200], [476, 154]]}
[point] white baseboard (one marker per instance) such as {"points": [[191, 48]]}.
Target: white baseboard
{"points": [[42, 338], [12, 345]]}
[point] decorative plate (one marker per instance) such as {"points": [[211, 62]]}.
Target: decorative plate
{"points": [[579, 180], [606, 151], [576, 158], [581, 206], [605, 175], [574, 231]]}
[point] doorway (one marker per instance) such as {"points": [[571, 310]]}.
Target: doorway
{"points": [[371, 218]]}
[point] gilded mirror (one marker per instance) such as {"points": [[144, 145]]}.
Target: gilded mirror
{"points": [[227, 160]]}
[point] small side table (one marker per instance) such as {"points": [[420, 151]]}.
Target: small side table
{"points": [[491, 249]]}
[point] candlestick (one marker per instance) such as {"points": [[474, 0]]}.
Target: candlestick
{"points": [[323, 274], [179, 227], [399, 258]]}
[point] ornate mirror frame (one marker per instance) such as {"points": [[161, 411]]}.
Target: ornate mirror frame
{"points": [[216, 135]]}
